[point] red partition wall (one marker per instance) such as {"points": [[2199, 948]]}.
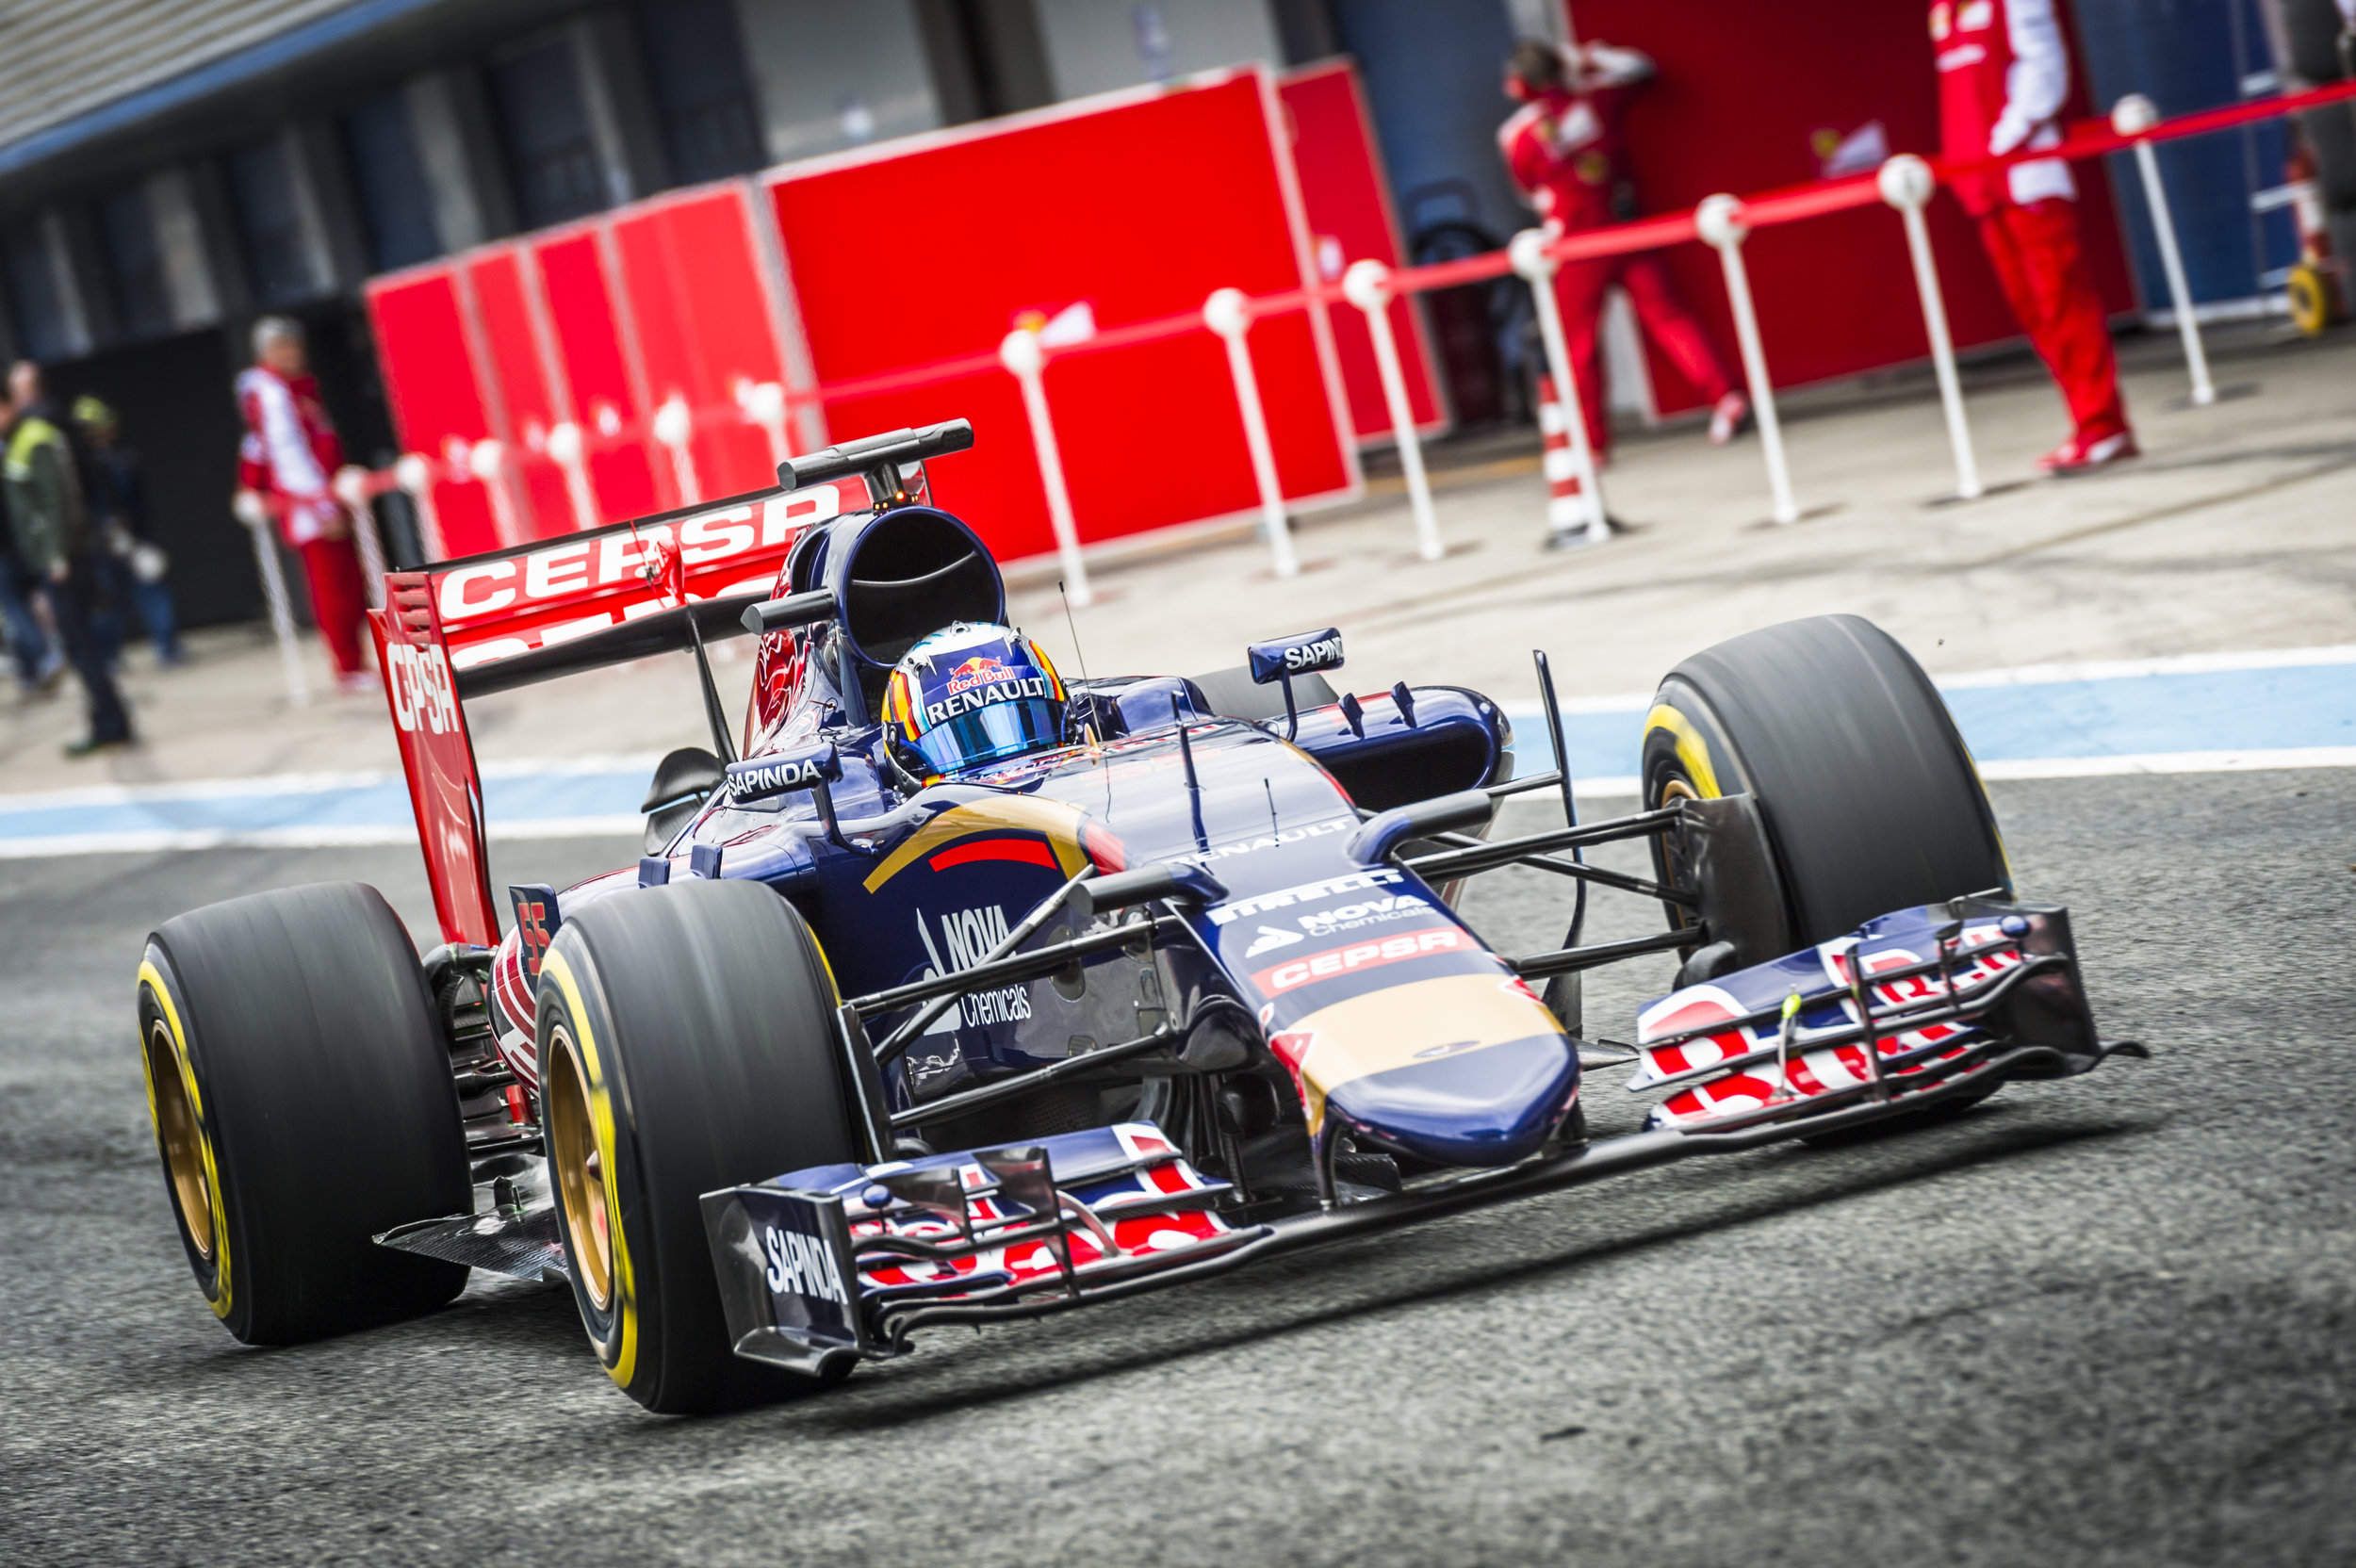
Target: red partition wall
{"points": [[696, 292], [531, 396], [439, 402], [1346, 198], [1135, 206], [1743, 104], [596, 360]]}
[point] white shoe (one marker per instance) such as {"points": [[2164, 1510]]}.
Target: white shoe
{"points": [[1727, 416]]}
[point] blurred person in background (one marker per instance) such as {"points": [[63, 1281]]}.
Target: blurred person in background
{"points": [[39, 663], [51, 530], [134, 564], [290, 455], [1564, 149], [2004, 74]]}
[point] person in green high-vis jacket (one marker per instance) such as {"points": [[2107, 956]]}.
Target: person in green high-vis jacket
{"points": [[50, 526]]}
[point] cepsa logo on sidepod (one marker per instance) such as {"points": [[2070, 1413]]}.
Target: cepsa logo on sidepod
{"points": [[1346, 960]]}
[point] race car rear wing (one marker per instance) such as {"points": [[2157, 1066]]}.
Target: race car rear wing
{"points": [[605, 596], [489, 623]]}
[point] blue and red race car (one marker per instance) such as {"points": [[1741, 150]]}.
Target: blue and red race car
{"points": [[966, 993]]}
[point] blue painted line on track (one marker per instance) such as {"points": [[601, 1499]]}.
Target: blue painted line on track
{"points": [[2235, 709]]}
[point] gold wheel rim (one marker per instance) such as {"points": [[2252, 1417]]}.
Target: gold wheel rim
{"points": [[183, 1141], [1677, 788], [579, 1168]]}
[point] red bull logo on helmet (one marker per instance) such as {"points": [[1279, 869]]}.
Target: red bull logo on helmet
{"points": [[977, 670]]}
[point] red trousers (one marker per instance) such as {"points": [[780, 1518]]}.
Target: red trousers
{"points": [[2036, 251], [331, 566], [1579, 290]]}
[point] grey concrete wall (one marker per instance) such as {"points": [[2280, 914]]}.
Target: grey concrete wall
{"points": [[188, 283], [831, 75], [451, 122], [1094, 46], [621, 105]]}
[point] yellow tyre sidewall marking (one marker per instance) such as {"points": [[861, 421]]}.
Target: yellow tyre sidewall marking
{"points": [[1693, 749], [624, 1365], [153, 980]]}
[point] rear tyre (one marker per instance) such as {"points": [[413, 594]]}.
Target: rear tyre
{"points": [[301, 1098], [1869, 796], [689, 1037]]}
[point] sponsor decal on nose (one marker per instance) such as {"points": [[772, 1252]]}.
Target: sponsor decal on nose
{"points": [[1345, 960]]}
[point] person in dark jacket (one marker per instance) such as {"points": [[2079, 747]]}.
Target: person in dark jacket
{"points": [[50, 529], [133, 565]]}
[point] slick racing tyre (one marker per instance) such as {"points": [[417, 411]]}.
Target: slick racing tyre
{"points": [[688, 1037], [301, 1099], [1870, 800]]}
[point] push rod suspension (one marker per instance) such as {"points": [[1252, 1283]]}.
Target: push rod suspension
{"points": [[1600, 876], [1595, 954], [1451, 863]]}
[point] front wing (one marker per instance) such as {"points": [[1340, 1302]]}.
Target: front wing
{"points": [[842, 1263]]}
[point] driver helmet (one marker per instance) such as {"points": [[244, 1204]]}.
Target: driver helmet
{"points": [[970, 695]]}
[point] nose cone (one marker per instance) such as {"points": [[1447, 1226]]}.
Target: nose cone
{"points": [[1463, 1070], [1487, 1106]]}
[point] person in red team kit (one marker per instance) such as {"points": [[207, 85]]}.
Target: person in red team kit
{"points": [[1563, 149], [2003, 74], [290, 455]]}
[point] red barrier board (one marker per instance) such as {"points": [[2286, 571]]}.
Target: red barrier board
{"points": [[596, 362], [420, 320], [1135, 206], [1347, 197], [692, 280], [529, 397], [1746, 104]]}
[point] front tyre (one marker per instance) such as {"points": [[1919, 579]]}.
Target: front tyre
{"points": [[689, 1040], [301, 1099], [1870, 800]]}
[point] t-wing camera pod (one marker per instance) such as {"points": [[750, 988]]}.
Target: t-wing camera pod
{"points": [[877, 459]]}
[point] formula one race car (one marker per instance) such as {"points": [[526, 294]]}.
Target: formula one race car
{"points": [[969, 993]]}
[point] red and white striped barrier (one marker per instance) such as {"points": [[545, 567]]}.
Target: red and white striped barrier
{"points": [[1567, 510]]}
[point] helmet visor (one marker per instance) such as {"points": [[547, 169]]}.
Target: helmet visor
{"points": [[987, 734]]}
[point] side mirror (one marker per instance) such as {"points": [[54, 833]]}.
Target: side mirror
{"points": [[813, 768], [683, 782], [1303, 653]]}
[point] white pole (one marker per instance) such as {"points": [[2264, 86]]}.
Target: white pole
{"points": [[565, 450], [2134, 115], [674, 426], [488, 462], [1906, 183], [763, 403], [255, 513], [350, 485], [1528, 252], [1719, 219], [1367, 285], [1226, 313], [414, 473], [1020, 352]]}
